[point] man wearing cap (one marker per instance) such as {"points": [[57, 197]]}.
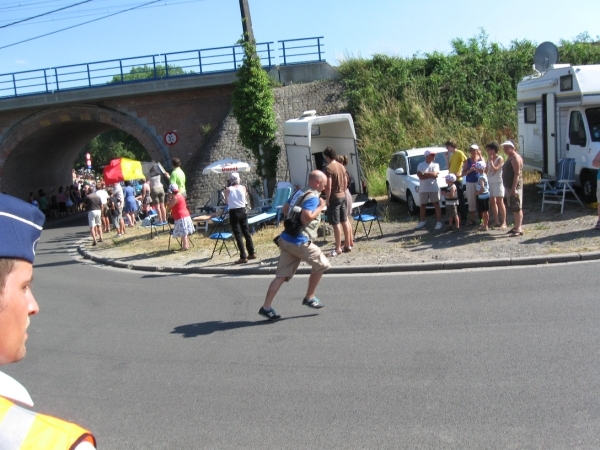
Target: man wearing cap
{"points": [[456, 158], [93, 206], [429, 190], [20, 428], [235, 197]]}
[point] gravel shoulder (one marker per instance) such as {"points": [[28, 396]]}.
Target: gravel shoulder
{"points": [[547, 233]]}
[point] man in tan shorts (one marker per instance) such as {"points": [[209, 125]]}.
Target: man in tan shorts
{"points": [[296, 245]]}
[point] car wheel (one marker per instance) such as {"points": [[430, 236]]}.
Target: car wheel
{"points": [[410, 201], [588, 184], [390, 196]]}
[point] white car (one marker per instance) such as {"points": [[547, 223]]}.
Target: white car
{"points": [[401, 177]]}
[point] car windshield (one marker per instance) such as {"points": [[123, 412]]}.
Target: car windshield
{"points": [[414, 161], [593, 117]]}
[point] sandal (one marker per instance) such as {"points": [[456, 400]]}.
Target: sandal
{"points": [[482, 228], [347, 249], [333, 253], [511, 231], [515, 234]]}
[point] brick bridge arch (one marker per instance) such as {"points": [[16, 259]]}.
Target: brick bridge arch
{"points": [[40, 150]]}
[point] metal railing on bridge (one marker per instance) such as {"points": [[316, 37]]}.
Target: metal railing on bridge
{"points": [[154, 67]]}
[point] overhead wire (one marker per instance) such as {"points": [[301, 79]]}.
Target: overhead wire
{"points": [[45, 14], [80, 24]]}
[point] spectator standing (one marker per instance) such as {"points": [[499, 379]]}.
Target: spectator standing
{"points": [[452, 203], [53, 204], [494, 173], [157, 193], [343, 160], [299, 247], [512, 178], [69, 203], [62, 202], [105, 212], [183, 221], [235, 197], [93, 205], [471, 180], [131, 206], [43, 202], [177, 176], [596, 163], [20, 230], [429, 190], [456, 159], [483, 195], [146, 198], [118, 202], [335, 195]]}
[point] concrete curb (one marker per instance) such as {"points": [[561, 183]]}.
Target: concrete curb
{"points": [[413, 267]]}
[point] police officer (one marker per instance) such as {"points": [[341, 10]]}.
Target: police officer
{"points": [[20, 428]]}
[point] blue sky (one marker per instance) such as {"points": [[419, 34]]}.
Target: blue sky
{"points": [[349, 27]]}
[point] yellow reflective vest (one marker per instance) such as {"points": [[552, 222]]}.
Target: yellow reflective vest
{"points": [[23, 429]]}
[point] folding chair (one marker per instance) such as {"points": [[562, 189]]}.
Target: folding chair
{"points": [[555, 191], [368, 213], [219, 233], [280, 197], [215, 201], [179, 241]]}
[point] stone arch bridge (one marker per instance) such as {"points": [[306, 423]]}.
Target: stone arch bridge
{"points": [[41, 135]]}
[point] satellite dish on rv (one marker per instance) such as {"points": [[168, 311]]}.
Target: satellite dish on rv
{"points": [[545, 55]]}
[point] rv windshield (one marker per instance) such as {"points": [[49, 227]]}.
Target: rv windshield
{"points": [[593, 118], [414, 161]]}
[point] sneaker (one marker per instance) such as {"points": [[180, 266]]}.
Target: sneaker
{"points": [[269, 313], [313, 303], [420, 225], [252, 256], [438, 226], [241, 261]]}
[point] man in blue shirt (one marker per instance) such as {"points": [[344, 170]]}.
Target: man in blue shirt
{"points": [[297, 246]]}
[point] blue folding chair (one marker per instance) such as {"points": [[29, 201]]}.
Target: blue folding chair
{"points": [[555, 191], [220, 234], [368, 214]]}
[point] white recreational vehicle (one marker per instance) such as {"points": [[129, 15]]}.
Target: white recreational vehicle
{"points": [[559, 117], [305, 139]]}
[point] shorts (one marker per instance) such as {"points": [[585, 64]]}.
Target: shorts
{"points": [[157, 194], [337, 211], [292, 255], [427, 197], [94, 218], [451, 210], [483, 204], [496, 189], [514, 204], [105, 210], [472, 196]]}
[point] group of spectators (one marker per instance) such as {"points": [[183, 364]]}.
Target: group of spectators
{"points": [[494, 185]]}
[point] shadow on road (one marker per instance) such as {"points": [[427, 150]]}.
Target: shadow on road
{"points": [[206, 328]]}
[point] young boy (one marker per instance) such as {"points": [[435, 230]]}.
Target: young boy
{"points": [[483, 195], [452, 203]]}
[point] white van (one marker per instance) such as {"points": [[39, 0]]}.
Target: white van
{"points": [[559, 117], [305, 139]]}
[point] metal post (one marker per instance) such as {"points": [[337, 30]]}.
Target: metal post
{"points": [[45, 80], [56, 79], [319, 46], [246, 21], [88, 72], [200, 60], [283, 48], [121, 67], [234, 60], [14, 84], [269, 53], [166, 68]]}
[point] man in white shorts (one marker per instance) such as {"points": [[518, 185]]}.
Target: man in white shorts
{"points": [[93, 205], [429, 190]]}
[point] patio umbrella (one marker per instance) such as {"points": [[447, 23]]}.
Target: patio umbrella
{"points": [[227, 166]]}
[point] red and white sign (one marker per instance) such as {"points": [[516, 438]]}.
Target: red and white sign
{"points": [[230, 169], [171, 138]]}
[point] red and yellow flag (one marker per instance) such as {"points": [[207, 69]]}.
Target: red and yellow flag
{"points": [[122, 169]]}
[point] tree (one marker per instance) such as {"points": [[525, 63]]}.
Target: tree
{"points": [[110, 145], [253, 109], [145, 72]]}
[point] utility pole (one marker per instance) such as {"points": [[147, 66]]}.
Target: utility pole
{"points": [[246, 21]]}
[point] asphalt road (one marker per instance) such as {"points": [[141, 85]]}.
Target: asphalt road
{"points": [[504, 358]]}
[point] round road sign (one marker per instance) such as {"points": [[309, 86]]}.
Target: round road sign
{"points": [[171, 138]]}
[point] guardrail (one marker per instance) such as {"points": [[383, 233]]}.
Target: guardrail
{"points": [[153, 67]]}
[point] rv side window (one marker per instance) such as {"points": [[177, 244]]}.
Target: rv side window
{"points": [[315, 130], [577, 130], [566, 83], [593, 118], [530, 113]]}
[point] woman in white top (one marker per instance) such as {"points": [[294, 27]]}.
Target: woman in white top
{"points": [[235, 196], [494, 173]]}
